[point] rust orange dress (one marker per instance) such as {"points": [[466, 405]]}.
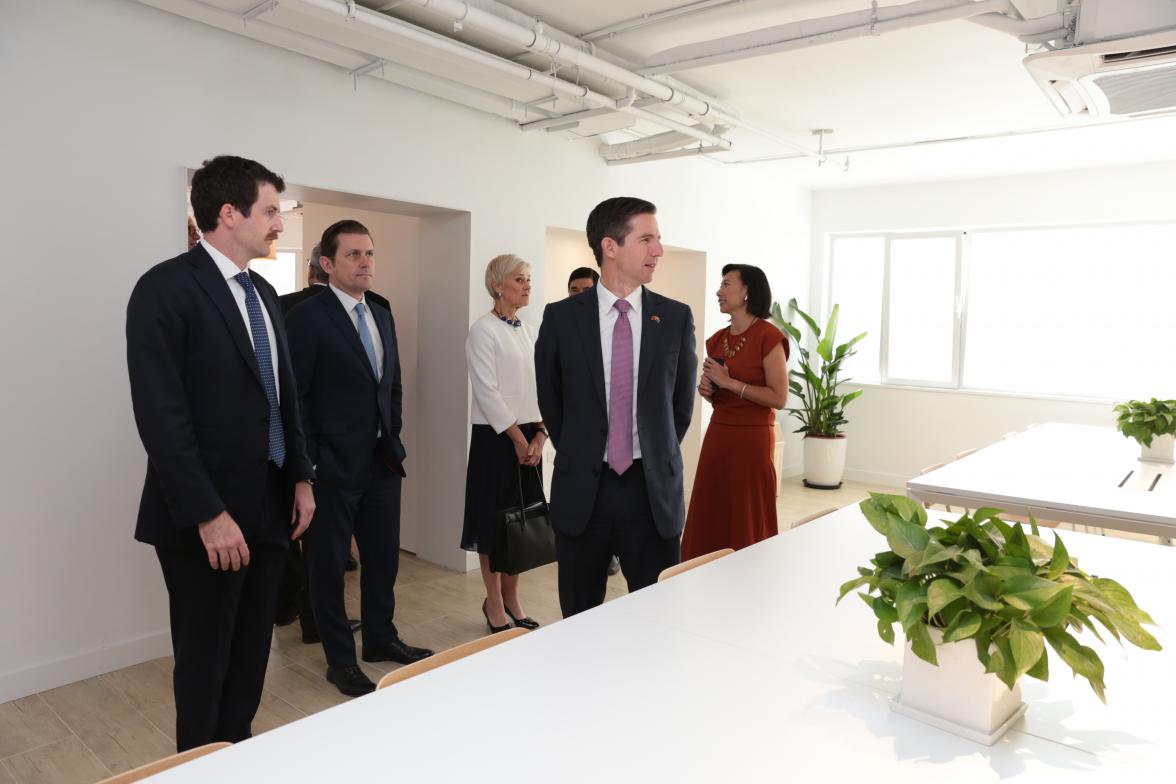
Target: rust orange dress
{"points": [[734, 499]]}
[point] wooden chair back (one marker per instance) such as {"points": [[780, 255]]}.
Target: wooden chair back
{"points": [[450, 655], [686, 566], [167, 763]]}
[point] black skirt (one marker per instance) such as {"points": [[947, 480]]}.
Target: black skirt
{"points": [[492, 484]]}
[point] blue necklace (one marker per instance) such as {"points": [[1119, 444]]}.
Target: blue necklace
{"points": [[516, 323]]}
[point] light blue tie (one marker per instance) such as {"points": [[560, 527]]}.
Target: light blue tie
{"points": [[365, 338], [261, 348]]}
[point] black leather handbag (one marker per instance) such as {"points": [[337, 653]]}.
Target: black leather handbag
{"points": [[525, 539]]}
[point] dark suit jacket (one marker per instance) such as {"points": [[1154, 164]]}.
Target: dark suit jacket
{"points": [[341, 402], [569, 369], [296, 298], [199, 403]]}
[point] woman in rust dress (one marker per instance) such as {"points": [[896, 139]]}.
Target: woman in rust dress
{"points": [[745, 378]]}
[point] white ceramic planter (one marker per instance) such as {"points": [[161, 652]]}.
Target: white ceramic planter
{"points": [[958, 695], [1160, 451], [824, 461]]}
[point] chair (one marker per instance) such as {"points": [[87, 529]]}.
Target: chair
{"points": [[167, 763], [449, 655], [1010, 434], [927, 470], [965, 453], [812, 517], [686, 566]]}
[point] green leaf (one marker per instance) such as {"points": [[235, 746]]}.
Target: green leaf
{"points": [[846, 587], [941, 593], [825, 347], [1081, 659], [1055, 611], [962, 627], [981, 592], [921, 643], [884, 610], [908, 509], [807, 318], [1040, 671], [1029, 592], [911, 602], [1027, 645], [875, 514], [905, 538], [1122, 600], [886, 632], [1060, 560], [1002, 663]]}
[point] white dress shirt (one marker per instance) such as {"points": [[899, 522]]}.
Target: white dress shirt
{"points": [[501, 361], [608, 322], [230, 271], [349, 302]]}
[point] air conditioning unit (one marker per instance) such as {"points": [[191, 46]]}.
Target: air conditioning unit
{"points": [[1127, 76]]}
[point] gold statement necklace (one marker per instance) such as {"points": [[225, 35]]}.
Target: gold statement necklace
{"points": [[729, 352]]}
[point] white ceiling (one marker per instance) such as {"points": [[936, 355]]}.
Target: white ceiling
{"points": [[952, 80]]}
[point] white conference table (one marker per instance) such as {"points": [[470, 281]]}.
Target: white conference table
{"points": [[1075, 473], [740, 670]]}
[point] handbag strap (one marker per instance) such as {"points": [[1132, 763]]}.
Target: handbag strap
{"points": [[523, 498]]}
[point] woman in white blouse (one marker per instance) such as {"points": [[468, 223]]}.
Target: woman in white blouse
{"points": [[507, 432]]}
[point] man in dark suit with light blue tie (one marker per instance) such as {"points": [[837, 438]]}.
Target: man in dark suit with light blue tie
{"points": [[350, 393], [615, 367], [228, 479]]}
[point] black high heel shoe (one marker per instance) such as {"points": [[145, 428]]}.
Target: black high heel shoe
{"points": [[527, 622], [494, 629]]}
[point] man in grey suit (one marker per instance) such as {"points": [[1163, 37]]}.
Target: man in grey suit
{"points": [[616, 368]]}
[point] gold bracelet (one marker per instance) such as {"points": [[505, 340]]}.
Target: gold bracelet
{"points": [[742, 391]]}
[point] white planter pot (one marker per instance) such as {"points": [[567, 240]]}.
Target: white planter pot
{"points": [[824, 461], [958, 695], [1160, 451]]}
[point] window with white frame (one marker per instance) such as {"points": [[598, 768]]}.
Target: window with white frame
{"points": [[1084, 311]]}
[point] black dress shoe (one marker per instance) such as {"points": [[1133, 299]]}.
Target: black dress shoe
{"points": [[397, 651], [350, 680], [526, 622], [310, 634], [494, 629]]}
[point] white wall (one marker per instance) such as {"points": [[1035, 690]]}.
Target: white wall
{"points": [[101, 129], [894, 432]]}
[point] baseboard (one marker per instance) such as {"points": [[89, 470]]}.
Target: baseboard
{"points": [[792, 470], [79, 666], [897, 481]]}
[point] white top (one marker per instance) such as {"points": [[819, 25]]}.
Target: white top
{"points": [[501, 361], [230, 271], [1077, 473], [349, 302], [608, 322], [742, 670]]}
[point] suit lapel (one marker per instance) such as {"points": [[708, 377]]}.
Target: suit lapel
{"points": [[384, 327], [342, 321], [587, 315], [210, 279], [651, 331]]}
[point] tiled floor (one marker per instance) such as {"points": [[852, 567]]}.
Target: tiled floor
{"points": [[88, 730]]}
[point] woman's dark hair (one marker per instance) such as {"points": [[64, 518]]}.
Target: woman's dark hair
{"points": [[611, 218], [759, 293], [227, 179]]}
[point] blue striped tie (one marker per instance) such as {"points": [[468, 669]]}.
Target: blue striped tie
{"points": [[261, 348]]}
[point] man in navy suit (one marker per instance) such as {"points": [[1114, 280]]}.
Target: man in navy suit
{"points": [[348, 370], [615, 368], [228, 479]]}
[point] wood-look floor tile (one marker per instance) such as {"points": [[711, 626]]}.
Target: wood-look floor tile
{"points": [[273, 713], [306, 690], [28, 723], [119, 735], [67, 761], [413, 570], [144, 686]]}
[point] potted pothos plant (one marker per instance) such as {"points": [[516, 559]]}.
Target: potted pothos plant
{"points": [[816, 386], [1152, 424], [979, 601]]}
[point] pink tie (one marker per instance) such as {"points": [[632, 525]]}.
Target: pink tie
{"points": [[620, 404]]}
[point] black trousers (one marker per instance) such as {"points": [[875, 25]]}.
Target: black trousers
{"points": [[222, 624], [372, 515], [294, 595], [621, 524]]}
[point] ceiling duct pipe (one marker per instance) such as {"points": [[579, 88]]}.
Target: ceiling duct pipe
{"points": [[812, 32], [351, 12]]}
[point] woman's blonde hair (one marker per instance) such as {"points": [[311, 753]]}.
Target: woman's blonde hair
{"points": [[500, 268]]}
